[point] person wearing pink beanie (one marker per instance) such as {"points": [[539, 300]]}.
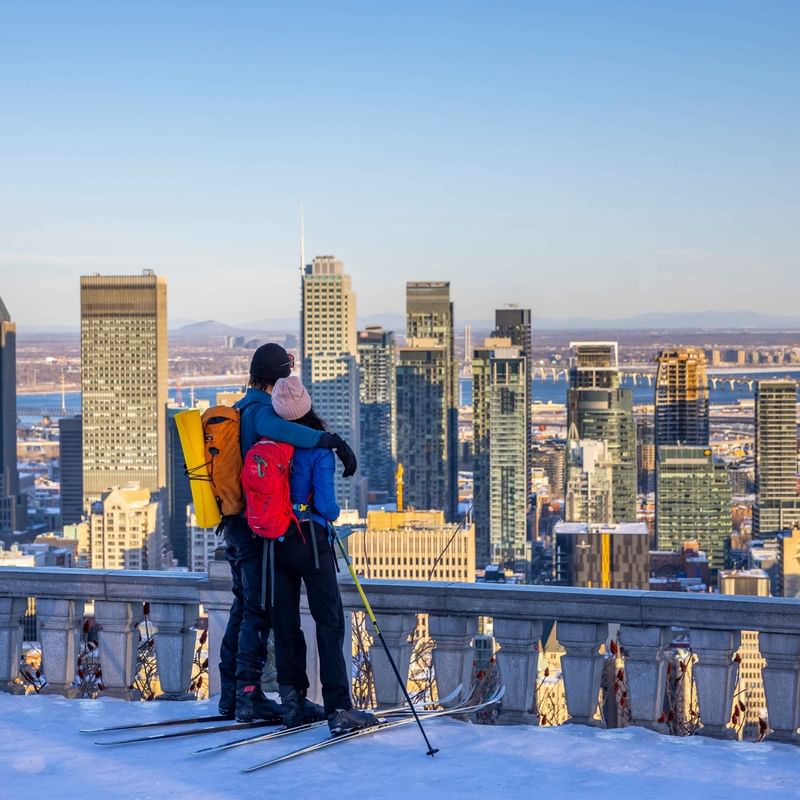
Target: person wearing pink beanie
{"points": [[306, 554]]}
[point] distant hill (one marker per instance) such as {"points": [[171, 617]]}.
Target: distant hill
{"points": [[204, 330], [693, 320]]}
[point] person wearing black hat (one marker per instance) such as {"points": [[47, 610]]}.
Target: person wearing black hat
{"points": [[244, 650]]}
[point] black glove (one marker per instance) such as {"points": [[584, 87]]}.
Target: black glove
{"points": [[343, 450]]}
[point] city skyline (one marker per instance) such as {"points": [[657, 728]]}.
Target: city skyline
{"points": [[473, 140]]}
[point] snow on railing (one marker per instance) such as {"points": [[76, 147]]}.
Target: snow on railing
{"points": [[671, 662]]}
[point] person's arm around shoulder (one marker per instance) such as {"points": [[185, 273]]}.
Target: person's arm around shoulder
{"points": [[270, 426], [322, 482]]}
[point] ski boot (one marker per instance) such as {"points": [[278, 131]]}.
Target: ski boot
{"points": [[346, 720], [251, 703], [227, 699], [297, 709]]}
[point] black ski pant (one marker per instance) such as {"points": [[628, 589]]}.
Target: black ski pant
{"points": [[243, 653], [294, 561]]}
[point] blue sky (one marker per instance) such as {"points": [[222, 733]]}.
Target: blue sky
{"points": [[583, 158]]}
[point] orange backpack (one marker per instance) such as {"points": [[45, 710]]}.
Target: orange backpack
{"points": [[224, 457]]}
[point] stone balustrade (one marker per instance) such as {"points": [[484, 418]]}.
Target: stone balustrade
{"points": [[643, 623]]}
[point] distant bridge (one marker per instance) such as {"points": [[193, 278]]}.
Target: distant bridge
{"points": [[48, 411]]}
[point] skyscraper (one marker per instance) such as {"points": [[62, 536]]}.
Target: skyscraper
{"points": [[603, 556], [70, 457], [682, 398], [777, 504], [329, 360], [693, 501], [515, 324], [589, 495], [376, 358], [601, 410], [123, 381], [501, 441], [421, 387], [13, 505], [178, 493], [429, 316]]}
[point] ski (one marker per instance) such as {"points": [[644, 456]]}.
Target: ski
{"points": [[205, 720], [445, 702], [233, 726], [332, 740]]}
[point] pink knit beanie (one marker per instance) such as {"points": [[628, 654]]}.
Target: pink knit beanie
{"points": [[290, 398]]}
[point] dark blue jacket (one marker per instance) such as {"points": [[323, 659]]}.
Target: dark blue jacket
{"points": [[312, 477], [258, 420]]}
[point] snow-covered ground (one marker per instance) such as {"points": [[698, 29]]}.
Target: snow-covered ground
{"points": [[43, 755]]}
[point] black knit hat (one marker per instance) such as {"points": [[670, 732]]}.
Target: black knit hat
{"points": [[269, 363]]}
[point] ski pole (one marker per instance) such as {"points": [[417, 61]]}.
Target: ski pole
{"points": [[371, 615]]}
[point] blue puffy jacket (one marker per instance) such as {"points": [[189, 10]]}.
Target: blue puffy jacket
{"points": [[312, 477]]}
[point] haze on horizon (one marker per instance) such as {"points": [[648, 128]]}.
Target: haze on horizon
{"points": [[583, 159]]}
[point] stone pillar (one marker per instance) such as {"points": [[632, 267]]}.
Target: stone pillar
{"points": [[59, 630], [519, 662], [582, 667], [12, 609], [453, 654], [782, 683], [118, 642], [715, 678], [175, 643], [645, 672], [216, 598], [397, 630], [309, 628]]}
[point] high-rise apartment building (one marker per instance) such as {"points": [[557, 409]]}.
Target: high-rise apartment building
{"points": [[421, 389], [693, 501], [376, 358], [501, 442], [177, 493], [13, 504], [682, 398], [126, 530], [123, 381], [603, 556], [70, 458], [429, 317], [599, 409], [645, 455], [589, 494], [515, 324], [777, 504], [202, 542], [329, 360]]}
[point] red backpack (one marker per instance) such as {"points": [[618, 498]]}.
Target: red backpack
{"points": [[265, 483]]}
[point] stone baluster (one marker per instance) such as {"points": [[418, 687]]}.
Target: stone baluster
{"points": [[519, 662], [452, 656], [782, 683], [59, 632], [118, 643], [645, 672], [175, 643], [397, 630], [12, 609], [582, 667], [715, 678], [216, 597]]}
